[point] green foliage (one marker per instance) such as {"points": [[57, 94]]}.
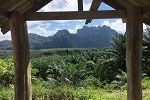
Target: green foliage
{"points": [[5, 54], [7, 94], [80, 74], [117, 54], [145, 83], [6, 72], [90, 82], [146, 53]]}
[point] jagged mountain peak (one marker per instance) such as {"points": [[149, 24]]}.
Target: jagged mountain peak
{"points": [[86, 37], [62, 33]]}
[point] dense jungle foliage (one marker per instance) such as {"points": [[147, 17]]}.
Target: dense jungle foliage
{"points": [[77, 74]]}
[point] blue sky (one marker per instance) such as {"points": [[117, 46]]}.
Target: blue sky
{"points": [[49, 28]]}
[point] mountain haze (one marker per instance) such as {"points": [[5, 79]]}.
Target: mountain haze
{"points": [[86, 37]]}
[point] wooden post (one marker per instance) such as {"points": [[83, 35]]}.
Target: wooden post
{"points": [[134, 52], [21, 56], [80, 5]]}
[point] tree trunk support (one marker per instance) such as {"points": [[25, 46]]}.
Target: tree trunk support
{"points": [[21, 56], [134, 52]]}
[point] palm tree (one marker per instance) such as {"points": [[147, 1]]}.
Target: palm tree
{"points": [[117, 54], [146, 52]]}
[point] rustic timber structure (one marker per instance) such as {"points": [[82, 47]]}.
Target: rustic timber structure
{"points": [[15, 13]]}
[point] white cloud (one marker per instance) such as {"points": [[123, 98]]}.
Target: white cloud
{"points": [[144, 27], [7, 36], [42, 31], [65, 5], [32, 23], [75, 29], [87, 4], [117, 25], [60, 5]]}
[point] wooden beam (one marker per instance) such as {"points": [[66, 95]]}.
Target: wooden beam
{"points": [[114, 5], [124, 3], [5, 28], [146, 21], [134, 52], [94, 7], [4, 12], [1, 24], [38, 5], [21, 56], [80, 5], [137, 2], [31, 16], [146, 9]]}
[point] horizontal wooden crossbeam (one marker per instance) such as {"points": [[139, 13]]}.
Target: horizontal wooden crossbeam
{"points": [[31, 16]]}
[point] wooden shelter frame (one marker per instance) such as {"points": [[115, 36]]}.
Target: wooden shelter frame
{"points": [[133, 15]]}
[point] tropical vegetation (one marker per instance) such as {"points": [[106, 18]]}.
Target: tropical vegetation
{"points": [[78, 74]]}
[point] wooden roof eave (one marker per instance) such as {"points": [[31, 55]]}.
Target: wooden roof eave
{"points": [[36, 6], [4, 12]]}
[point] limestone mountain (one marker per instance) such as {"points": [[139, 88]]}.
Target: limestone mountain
{"points": [[86, 37]]}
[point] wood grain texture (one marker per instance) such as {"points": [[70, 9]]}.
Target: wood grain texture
{"points": [[75, 15], [36, 6], [136, 2], [146, 9], [21, 56], [124, 3], [134, 52], [114, 5], [4, 12]]}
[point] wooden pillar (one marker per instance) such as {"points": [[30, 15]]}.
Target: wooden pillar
{"points": [[134, 52], [21, 56]]}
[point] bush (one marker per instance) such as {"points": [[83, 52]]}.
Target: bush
{"points": [[90, 82], [7, 94], [6, 72]]}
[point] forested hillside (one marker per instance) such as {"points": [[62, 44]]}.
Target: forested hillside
{"points": [[87, 37]]}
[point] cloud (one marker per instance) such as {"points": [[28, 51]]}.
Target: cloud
{"points": [[65, 5], [42, 31], [60, 5], [32, 23], [7, 36], [117, 25], [75, 29], [87, 4]]}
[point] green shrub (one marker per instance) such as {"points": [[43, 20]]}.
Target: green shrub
{"points": [[7, 94], [6, 72], [90, 82], [146, 83]]}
